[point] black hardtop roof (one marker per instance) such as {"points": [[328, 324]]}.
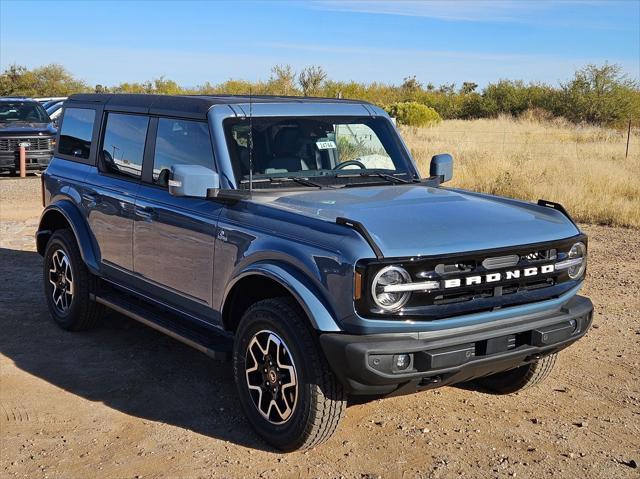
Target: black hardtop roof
{"points": [[195, 106]]}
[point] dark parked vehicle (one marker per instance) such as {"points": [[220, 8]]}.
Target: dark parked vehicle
{"points": [[55, 111], [50, 103], [24, 122], [46, 102], [296, 235]]}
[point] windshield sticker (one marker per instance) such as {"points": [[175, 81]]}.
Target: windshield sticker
{"points": [[326, 145]]}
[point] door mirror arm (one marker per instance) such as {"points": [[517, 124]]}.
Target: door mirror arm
{"points": [[228, 194]]}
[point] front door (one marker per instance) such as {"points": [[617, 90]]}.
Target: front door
{"points": [[174, 237]]}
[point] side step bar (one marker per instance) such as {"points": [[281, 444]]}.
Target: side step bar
{"points": [[198, 337]]}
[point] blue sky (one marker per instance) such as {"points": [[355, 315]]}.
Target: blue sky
{"points": [[364, 40]]}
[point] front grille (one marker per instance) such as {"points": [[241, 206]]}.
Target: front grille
{"points": [[483, 265], [476, 281], [38, 143]]}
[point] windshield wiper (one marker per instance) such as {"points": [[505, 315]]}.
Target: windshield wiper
{"points": [[302, 181], [385, 176], [295, 179]]}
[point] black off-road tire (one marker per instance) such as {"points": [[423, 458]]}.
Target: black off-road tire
{"points": [[515, 380], [82, 312], [321, 400]]}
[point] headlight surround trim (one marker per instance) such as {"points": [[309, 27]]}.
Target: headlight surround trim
{"points": [[403, 297], [579, 252]]}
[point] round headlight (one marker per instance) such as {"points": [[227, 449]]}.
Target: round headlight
{"points": [[577, 251], [390, 276]]}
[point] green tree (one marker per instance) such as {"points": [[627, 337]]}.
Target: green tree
{"points": [[508, 96], [468, 87], [311, 79], [283, 80], [48, 80], [599, 94], [595, 94]]}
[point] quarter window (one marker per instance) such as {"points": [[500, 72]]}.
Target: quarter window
{"points": [[180, 142], [123, 144], [76, 132]]}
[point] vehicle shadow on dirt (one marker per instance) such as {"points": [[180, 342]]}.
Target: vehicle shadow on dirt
{"points": [[121, 363]]}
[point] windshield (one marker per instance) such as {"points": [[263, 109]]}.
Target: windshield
{"points": [[22, 111], [327, 151]]}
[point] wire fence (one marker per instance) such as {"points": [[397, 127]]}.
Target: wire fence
{"points": [[621, 144]]}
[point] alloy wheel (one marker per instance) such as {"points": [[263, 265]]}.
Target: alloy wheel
{"points": [[271, 377], [61, 278]]}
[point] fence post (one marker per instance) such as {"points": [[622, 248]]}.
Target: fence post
{"points": [[23, 162], [626, 153]]}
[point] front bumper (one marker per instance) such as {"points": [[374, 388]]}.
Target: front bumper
{"points": [[365, 363], [35, 160]]}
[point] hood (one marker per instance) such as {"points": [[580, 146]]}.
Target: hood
{"points": [[412, 220], [20, 128]]}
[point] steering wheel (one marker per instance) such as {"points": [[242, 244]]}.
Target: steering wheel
{"points": [[359, 164]]}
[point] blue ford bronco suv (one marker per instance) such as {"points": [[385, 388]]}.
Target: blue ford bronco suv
{"points": [[296, 236]]}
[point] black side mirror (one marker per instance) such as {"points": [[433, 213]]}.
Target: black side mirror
{"points": [[442, 167]]}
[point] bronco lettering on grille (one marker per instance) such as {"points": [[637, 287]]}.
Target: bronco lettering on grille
{"points": [[496, 277]]}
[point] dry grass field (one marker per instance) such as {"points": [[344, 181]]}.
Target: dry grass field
{"points": [[582, 167]]}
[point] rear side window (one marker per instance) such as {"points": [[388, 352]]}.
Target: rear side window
{"points": [[180, 142], [123, 144], [76, 132]]}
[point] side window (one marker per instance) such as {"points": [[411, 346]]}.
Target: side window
{"points": [[76, 132], [123, 144], [180, 142]]}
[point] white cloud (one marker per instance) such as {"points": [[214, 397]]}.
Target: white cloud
{"points": [[454, 10]]}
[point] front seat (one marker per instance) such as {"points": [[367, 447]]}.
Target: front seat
{"points": [[286, 152]]}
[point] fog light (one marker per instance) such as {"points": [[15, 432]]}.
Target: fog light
{"points": [[402, 361]]}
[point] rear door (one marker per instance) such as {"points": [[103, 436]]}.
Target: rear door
{"points": [[110, 198], [174, 237]]}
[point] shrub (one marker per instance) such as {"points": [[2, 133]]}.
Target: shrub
{"points": [[473, 105], [600, 95], [414, 114]]}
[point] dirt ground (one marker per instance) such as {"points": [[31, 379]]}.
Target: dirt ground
{"points": [[123, 401]]}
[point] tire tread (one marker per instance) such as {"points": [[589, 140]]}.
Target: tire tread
{"points": [[521, 378], [88, 312], [326, 410]]}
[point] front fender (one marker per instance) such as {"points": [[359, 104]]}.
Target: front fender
{"points": [[299, 287], [50, 221]]}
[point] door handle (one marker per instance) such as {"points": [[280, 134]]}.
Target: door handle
{"points": [[91, 198], [146, 212]]}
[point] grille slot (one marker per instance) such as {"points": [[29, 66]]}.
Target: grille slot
{"points": [[501, 261], [38, 143]]}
